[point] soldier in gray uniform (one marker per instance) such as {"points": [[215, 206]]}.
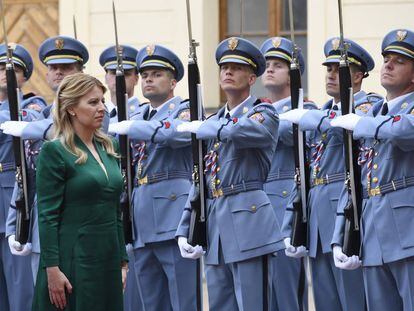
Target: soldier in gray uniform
{"points": [[16, 284], [163, 165], [62, 56], [242, 227], [334, 289], [288, 273], [387, 224], [108, 60]]}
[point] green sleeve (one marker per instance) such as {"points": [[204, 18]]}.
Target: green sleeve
{"points": [[122, 249], [50, 187]]}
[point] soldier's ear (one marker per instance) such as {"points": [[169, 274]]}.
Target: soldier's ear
{"points": [[252, 79]]}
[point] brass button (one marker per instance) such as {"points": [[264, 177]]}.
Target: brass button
{"points": [[216, 145], [253, 208], [324, 135], [376, 154], [173, 197], [218, 168], [284, 193], [375, 179], [375, 166], [218, 182]]}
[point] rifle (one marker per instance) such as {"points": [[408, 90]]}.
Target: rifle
{"points": [[302, 173], [352, 239], [198, 232], [126, 169], [23, 208]]}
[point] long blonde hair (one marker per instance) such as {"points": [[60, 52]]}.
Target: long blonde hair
{"points": [[68, 95]]}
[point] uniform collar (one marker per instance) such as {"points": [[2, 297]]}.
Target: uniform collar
{"points": [[283, 104], [241, 108], [168, 106], [396, 104]]}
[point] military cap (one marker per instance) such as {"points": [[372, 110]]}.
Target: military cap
{"points": [[241, 51], [20, 56], [62, 50], [356, 54], [400, 41], [129, 55], [282, 48], [159, 56]]}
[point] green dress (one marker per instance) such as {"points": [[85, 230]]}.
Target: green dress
{"points": [[80, 227]]}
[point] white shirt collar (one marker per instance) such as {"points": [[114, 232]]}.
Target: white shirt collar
{"points": [[233, 111]]}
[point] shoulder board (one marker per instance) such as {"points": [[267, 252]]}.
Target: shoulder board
{"points": [[212, 115], [310, 105], [28, 95], [262, 100], [143, 104], [374, 97], [185, 100], [263, 107]]}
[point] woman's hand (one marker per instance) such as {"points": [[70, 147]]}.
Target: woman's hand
{"points": [[124, 272], [57, 284]]}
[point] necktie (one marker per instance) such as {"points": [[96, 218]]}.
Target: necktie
{"points": [[384, 109], [151, 114], [228, 117], [334, 107]]}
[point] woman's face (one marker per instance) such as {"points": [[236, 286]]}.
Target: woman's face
{"points": [[89, 113]]}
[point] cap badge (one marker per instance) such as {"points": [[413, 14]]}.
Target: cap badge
{"points": [[276, 42], [119, 50], [12, 45], [233, 42], [59, 43], [150, 49], [335, 44], [401, 34]]}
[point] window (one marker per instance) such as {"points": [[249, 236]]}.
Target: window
{"points": [[257, 20]]}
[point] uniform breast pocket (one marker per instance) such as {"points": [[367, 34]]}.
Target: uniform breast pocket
{"points": [[402, 205], [168, 205], [254, 220]]}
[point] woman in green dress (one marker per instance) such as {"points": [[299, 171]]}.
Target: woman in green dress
{"points": [[83, 259]]}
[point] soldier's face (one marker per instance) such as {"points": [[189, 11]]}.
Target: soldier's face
{"points": [[236, 77], [20, 78], [276, 74], [332, 80], [397, 73], [131, 80], [88, 114], [56, 72], [157, 84]]}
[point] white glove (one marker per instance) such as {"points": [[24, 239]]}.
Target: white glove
{"points": [[188, 251], [129, 248], [294, 252], [342, 261], [120, 128], [293, 115], [14, 128], [348, 121], [191, 127], [17, 249]]}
